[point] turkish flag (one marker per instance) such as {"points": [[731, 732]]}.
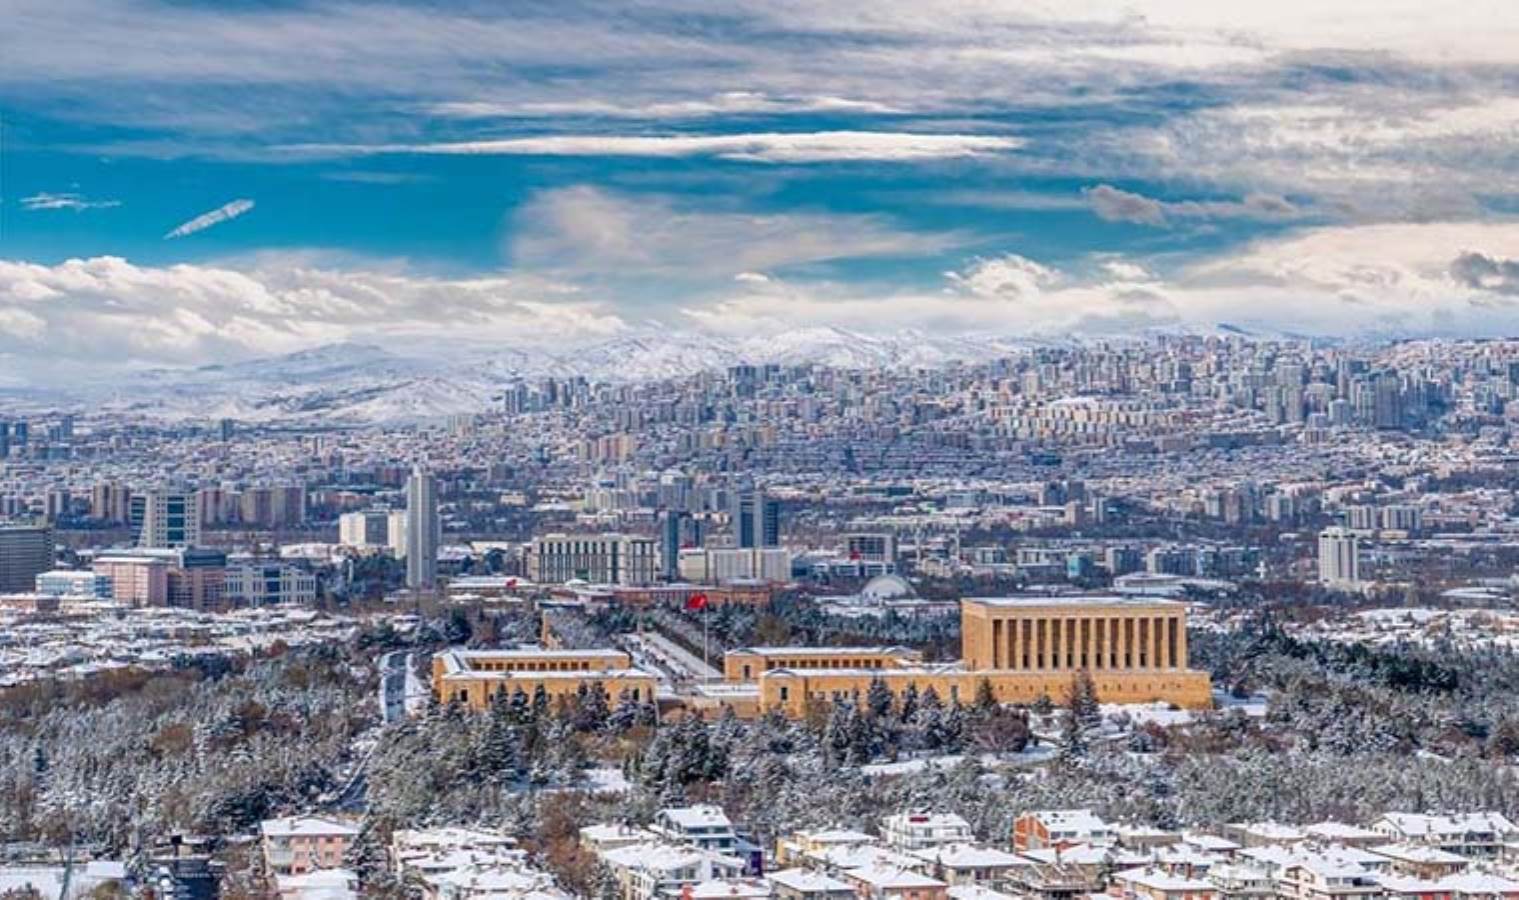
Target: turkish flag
{"points": [[696, 601]]}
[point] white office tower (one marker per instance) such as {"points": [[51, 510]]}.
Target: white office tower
{"points": [[422, 530], [1339, 558], [167, 519]]}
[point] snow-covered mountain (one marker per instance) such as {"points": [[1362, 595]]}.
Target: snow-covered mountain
{"points": [[364, 383]]}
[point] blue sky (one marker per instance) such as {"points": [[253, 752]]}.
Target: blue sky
{"points": [[564, 172]]}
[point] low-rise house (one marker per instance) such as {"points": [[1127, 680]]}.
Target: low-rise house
{"points": [[1479, 886], [299, 844], [1264, 834], [1179, 859], [654, 870], [1061, 828], [1141, 837], [1241, 881], [1158, 884], [1211, 843], [838, 859], [1421, 860], [915, 831], [977, 892], [804, 884], [318, 884], [734, 888], [1480, 834], [704, 826], [1319, 878], [1342, 833], [795, 845], [890, 883], [601, 838], [969, 863]]}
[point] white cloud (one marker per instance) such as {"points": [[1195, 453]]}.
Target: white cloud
{"points": [[1009, 277], [725, 104], [1387, 280], [769, 147], [106, 312], [68, 200], [611, 236], [1118, 205], [224, 213]]}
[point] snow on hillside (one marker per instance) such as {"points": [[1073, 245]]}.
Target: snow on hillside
{"points": [[362, 383]]}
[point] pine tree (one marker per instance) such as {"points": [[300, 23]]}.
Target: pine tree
{"points": [[878, 699], [909, 707], [1082, 700], [986, 698]]}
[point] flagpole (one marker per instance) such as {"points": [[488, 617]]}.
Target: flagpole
{"points": [[706, 663]]}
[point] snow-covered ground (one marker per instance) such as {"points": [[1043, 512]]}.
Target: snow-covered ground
{"points": [[1031, 754]]}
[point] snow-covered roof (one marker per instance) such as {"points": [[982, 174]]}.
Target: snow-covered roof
{"points": [[1083, 821], [892, 878], [1162, 880], [699, 816], [969, 856], [305, 826], [806, 881]]}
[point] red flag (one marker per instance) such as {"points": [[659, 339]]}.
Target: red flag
{"points": [[696, 601]]}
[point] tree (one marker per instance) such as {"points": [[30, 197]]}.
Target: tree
{"points": [[1082, 700], [986, 698], [878, 699]]}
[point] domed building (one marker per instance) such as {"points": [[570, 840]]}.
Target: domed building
{"points": [[883, 594]]}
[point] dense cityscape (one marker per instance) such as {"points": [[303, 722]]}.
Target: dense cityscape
{"points": [[759, 450], [1185, 617]]}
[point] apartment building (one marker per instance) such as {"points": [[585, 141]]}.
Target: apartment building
{"points": [[299, 844]]}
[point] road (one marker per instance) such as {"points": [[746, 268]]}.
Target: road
{"points": [[395, 667], [673, 658]]}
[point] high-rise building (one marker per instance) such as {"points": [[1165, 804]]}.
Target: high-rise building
{"points": [[671, 539], [1339, 558], [167, 519], [110, 502], [422, 530], [756, 520], [26, 551]]}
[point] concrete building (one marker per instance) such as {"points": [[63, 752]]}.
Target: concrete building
{"points": [[137, 579], [374, 530], [26, 551], [263, 583], [597, 558], [166, 519], [78, 583], [300, 844], [1339, 558], [919, 831], [756, 520], [423, 530]]}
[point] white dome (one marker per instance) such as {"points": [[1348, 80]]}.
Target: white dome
{"points": [[888, 587]]}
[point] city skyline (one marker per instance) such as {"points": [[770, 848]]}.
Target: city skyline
{"points": [[190, 184]]}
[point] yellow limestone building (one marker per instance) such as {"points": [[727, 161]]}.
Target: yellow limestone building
{"points": [[472, 677], [1134, 649]]}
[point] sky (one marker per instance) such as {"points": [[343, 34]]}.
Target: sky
{"points": [[187, 183]]}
